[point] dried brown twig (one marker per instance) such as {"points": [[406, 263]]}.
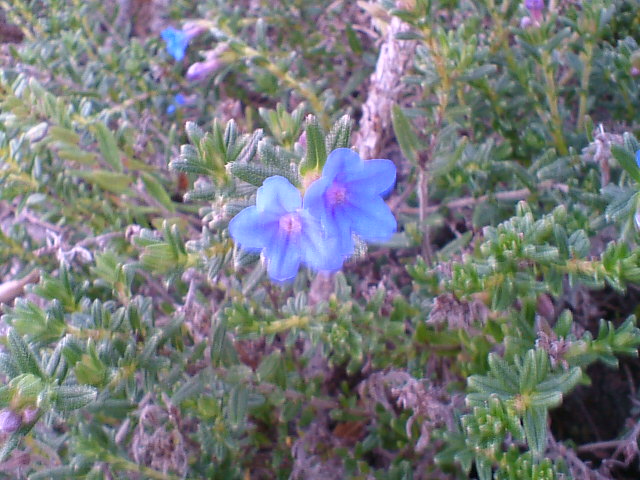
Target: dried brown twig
{"points": [[396, 57], [12, 289], [464, 202]]}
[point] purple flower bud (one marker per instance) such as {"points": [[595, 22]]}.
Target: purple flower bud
{"points": [[193, 29], [201, 70], [9, 421], [211, 64], [29, 415], [635, 71], [534, 5], [525, 22], [302, 140]]}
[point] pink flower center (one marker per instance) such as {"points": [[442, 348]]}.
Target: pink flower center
{"points": [[336, 194], [290, 223]]}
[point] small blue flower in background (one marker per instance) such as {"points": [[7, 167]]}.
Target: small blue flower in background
{"points": [[177, 42], [638, 158], [178, 101], [283, 232], [348, 199]]}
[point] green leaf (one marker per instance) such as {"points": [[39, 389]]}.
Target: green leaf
{"points": [[271, 369], [218, 339], [563, 382], [157, 191], [316, 149], [630, 142], [256, 174], [488, 386], [481, 72], [117, 183], [63, 135], [194, 132], [627, 161], [340, 134], [535, 368], [545, 400], [68, 398], [535, 429], [407, 138], [75, 154], [506, 373], [483, 466], [9, 445], [22, 355], [108, 146], [238, 406], [190, 389]]}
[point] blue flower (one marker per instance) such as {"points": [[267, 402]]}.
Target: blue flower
{"points": [[638, 158], [177, 42], [178, 101], [348, 199], [283, 232]]}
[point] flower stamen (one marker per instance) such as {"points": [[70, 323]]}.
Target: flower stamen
{"points": [[290, 223], [336, 195]]}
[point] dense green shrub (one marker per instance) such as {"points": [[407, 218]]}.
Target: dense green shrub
{"points": [[140, 342]]}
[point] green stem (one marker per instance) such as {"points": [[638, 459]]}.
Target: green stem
{"points": [[286, 324], [123, 464], [586, 58], [552, 100]]}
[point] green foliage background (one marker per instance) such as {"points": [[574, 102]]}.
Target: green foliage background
{"points": [[151, 348]]}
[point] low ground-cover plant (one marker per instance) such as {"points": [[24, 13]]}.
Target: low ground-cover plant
{"points": [[202, 278]]}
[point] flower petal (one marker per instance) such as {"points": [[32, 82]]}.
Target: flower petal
{"points": [[371, 219], [314, 200], [277, 195], [253, 230], [318, 251], [336, 224], [283, 257], [340, 162], [177, 42], [377, 177]]}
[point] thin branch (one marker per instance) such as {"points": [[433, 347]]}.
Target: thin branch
{"points": [[464, 202]]}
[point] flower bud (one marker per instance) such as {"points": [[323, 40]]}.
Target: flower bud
{"points": [[30, 414], [525, 22], [635, 63], [535, 8], [302, 141], [534, 5], [200, 70], [9, 421], [193, 29]]}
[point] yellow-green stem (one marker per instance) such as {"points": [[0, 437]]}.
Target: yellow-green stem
{"points": [[286, 324], [552, 100], [119, 462], [586, 58]]}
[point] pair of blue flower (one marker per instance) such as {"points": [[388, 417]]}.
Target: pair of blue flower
{"points": [[318, 230]]}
